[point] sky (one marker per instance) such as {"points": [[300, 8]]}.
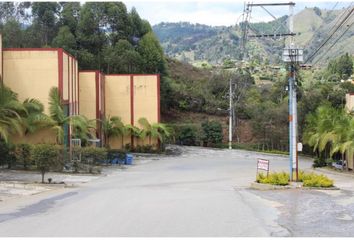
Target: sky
{"points": [[215, 13]]}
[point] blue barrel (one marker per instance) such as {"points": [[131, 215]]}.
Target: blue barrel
{"points": [[129, 159]]}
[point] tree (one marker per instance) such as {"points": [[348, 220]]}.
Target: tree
{"points": [[330, 130], [83, 128], [66, 40], [10, 113], [80, 124], [34, 118], [212, 132], [152, 54], [45, 19], [122, 58], [90, 36], [45, 157], [156, 130], [70, 15], [139, 27], [12, 34], [113, 127], [345, 66], [23, 154], [117, 21], [13, 11]]}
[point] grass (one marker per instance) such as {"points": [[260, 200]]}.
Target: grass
{"points": [[250, 147]]}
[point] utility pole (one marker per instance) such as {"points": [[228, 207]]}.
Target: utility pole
{"points": [[291, 55], [230, 115]]}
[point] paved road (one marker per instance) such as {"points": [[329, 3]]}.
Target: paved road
{"points": [[203, 192]]}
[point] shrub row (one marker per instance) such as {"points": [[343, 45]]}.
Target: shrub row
{"points": [[209, 133], [308, 179]]}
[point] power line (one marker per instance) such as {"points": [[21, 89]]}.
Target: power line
{"points": [[326, 52], [318, 29], [330, 36]]}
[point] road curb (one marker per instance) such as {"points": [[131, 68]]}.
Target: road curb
{"points": [[267, 187]]}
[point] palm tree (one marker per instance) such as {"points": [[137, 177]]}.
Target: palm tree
{"points": [[83, 127], [10, 113], [155, 130], [113, 127], [146, 130], [134, 131], [80, 124], [332, 129], [35, 119]]}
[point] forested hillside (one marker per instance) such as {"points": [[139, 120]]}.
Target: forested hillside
{"points": [[108, 37], [101, 35], [195, 43]]}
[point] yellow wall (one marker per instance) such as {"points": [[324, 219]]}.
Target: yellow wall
{"points": [[76, 86], [145, 102], [349, 98], [31, 74], [42, 136], [117, 91], [118, 97], [0, 57], [87, 94], [65, 77]]}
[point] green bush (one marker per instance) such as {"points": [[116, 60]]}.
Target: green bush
{"points": [[281, 178], [23, 154], [319, 162], [184, 134], [46, 157], [93, 155], [212, 132], [7, 154], [314, 180]]}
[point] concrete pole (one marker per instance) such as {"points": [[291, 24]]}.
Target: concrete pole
{"points": [[230, 116], [292, 101], [295, 133], [291, 125]]}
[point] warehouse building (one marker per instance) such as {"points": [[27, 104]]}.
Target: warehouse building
{"points": [[32, 72]]}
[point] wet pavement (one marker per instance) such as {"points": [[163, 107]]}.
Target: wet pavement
{"points": [[200, 193], [314, 213]]}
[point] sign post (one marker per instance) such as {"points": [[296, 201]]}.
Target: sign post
{"points": [[262, 164]]}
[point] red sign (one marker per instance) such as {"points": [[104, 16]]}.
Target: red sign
{"points": [[263, 164]]}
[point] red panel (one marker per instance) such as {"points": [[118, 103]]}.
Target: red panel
{"points": [[97, 81], [78, 91], [32, 49], [104, 94], [132, 74], [158, 99], [132, 106], [69, 85], [60, 68], [89, 71]]}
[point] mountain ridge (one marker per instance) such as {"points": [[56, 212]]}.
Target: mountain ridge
{"points": [[198, 43]]}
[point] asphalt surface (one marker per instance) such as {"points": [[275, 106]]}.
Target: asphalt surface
{"points": [[201, 193]]}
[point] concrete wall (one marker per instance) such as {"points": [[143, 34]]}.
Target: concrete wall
{"points": [[87, 99], [131, 97], [91, 97], [146, 102], [349, 99], [31, 73], [118, 102], [1, 58]]}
